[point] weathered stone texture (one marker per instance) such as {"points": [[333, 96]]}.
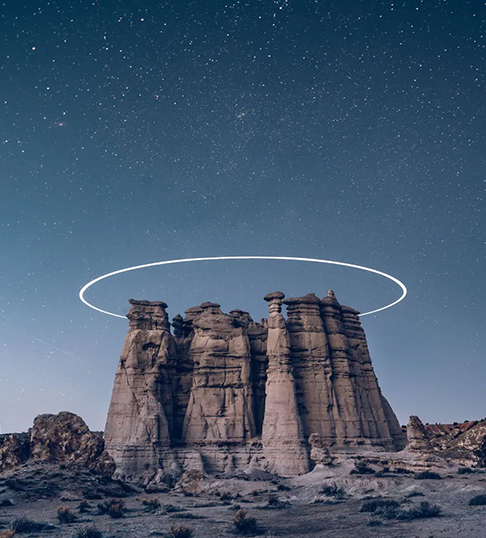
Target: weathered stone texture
{"points": [[14, 451], [282, 432], [227, 394], [417, 437], [63, 438], [220, 404]]}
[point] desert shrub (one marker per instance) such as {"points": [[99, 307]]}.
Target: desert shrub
{"points": [[151, 505], [65, 515], [360, 467], [378, 505], [283, 487], [414, 494], [114, 508], [6, 502], [427, 475], [389, 509], [9, 533], [84, 506], [92, 495], [181, 531], [23, 525], [225, 495], [465, 470], [87, 532], [333, 491], [422, 511], [245, 524], [479, 500], [171, 508], [374, 523], [273, 502], [187, 515]]}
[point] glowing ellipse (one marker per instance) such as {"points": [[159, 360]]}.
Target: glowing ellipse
{"points": [[216, 258]]}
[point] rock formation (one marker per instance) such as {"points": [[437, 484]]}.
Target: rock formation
{"points": [[225, 394], [63, 438], [417, 437], [282, 433], [14, 451]]}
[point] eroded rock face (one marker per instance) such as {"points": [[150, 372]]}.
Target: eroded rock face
{"points": [[140, 418], [319, 454], [14, 451], [417, 437], [282, 432], [220, 407], [62, 438], [231, 394]]}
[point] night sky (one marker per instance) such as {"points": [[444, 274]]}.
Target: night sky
{"points": [[140, 131]]}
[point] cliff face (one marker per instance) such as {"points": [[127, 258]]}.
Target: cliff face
{"points": [[224, 393]]}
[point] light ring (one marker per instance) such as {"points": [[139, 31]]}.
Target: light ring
{"points": [[216, 258]]}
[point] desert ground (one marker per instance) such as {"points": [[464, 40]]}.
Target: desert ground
{"points": [[327, 502]]}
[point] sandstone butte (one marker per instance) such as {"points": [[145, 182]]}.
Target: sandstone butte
{"points": [[225, 394]]}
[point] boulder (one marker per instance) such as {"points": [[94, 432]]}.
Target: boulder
{"points": [[65, 438], [14, 451], [62, 439]]}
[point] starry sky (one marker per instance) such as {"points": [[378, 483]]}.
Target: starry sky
{"points": [[138, 131]]}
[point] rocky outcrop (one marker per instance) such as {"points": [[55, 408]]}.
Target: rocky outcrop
{"points": [[225, 394], [417, 438], [14, 451], [464, 442], [319, 454], [140, 416], [63, 438]]}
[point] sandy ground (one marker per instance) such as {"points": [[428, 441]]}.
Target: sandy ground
{"points": [[36, 492]]}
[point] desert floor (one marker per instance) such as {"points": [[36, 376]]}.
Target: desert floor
{"points": [[294, 508]]}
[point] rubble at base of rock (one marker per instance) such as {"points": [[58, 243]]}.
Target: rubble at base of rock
{"points": [[228, 394]]}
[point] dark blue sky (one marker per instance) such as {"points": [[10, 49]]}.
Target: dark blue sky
{"points": [[133, 132]]}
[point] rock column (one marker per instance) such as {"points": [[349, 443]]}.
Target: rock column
{"points": [[282, 433], [344, 401], [220, 408], [312, 365], [138, 424], [378, 421]]}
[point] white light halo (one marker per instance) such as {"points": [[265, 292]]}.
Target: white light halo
{"points": [[83, 290]]}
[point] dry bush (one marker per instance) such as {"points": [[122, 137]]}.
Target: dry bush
{"points": [[379, 505], [390, 509], [84, 506], [181, 531], [87, 532], [65, 515], [151, 505], [423, 511], [114, 508], [334, 491], [9, 533], [245, 524], [24, 525], [479, 500]]}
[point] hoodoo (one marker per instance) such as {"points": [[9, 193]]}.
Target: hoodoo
{"points": [[224, 393]]}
